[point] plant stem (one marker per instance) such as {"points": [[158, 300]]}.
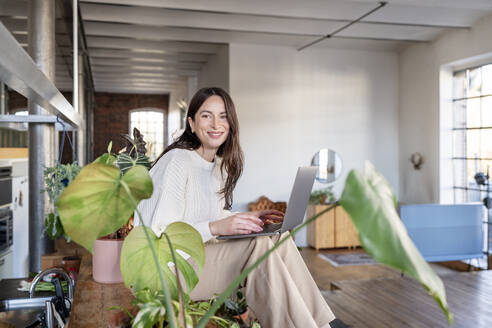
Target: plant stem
{"points": [[165, 289], [178, 283], [222, 297]]}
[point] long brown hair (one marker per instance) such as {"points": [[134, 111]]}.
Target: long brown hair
{"points": [[230, 151]]}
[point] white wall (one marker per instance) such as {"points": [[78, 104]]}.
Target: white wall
{"points": [[290, 104], [215, 73], [173, 117], [421, 68]]}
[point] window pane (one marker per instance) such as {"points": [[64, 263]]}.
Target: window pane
{"points": [[459, 85], [459, 145], [487, 79], [473, 143], [473, 113], [487, 111], [151, 125], [459, 116], [486, 143], [474, 82]]}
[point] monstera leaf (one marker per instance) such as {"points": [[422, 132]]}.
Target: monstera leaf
{"points": [[97, 203], [371, 204], [137, 264]]}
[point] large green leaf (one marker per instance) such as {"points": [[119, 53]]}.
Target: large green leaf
{"points": [[137, 265], [96, 202], [371, 203]]}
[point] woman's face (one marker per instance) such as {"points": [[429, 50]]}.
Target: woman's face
{"points": [[210, 123]]}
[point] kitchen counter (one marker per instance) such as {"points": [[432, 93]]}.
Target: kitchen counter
{"points": [[92, 299]]}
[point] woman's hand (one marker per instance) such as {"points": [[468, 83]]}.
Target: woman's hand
{"points": [[272, 215], [237, 224]]}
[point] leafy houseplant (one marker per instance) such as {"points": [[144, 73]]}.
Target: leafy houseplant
{"points": [[56, 179], [323, 196], [101, 198]]}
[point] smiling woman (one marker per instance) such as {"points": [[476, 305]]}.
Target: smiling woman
{"points": [[193, 182]]}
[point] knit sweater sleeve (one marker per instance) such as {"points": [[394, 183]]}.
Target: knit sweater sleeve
{"points": [[171, 203]]}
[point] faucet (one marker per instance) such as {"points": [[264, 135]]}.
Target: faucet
{"points": [[62, 272]]}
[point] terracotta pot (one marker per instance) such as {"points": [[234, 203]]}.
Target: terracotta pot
{"points": [[243, 316], [106, 261]]}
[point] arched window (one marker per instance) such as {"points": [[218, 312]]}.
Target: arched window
{"points": [[150, 122]]}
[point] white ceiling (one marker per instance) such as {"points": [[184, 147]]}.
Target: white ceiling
{"points": [[151, 45]]}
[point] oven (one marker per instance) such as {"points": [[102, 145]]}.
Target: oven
{"points": [[6, 229], [5, 186], [6, 217]]}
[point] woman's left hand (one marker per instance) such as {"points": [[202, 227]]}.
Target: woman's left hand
{"points": [[273, 215]]}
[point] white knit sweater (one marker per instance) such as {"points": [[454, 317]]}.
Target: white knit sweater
{"points": [[186, 189]]}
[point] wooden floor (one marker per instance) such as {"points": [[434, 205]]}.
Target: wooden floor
{"points": [[376, 296]]}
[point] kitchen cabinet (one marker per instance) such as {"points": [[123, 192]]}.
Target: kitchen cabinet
{"points": [[20, 211]]}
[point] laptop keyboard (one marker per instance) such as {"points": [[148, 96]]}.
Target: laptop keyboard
{"points": [[272, 227]]}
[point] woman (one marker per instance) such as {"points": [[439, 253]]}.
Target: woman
{"points": [[194, 180]]}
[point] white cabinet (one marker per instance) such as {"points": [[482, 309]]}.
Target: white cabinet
{"points": [[20, 209], [6, 265]]}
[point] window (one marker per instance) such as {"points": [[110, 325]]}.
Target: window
{"points": [[472, 130], [150, 122]]}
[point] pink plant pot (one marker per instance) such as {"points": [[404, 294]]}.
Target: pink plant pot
{"points": [[106, 261]]}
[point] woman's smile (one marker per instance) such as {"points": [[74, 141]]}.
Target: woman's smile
{"points": [[215, 135]]}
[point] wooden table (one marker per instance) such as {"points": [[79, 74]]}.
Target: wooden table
{"points": [[92, 299]]}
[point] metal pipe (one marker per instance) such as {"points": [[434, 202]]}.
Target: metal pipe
{"points": [[41, 32], [75, 44], [381, 5], [81, 133], [3, 99]]}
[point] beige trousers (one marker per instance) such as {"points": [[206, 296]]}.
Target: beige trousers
{"points": [[280, 291]]}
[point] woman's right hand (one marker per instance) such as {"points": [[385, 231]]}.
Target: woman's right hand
{"points": [[237, 224]]}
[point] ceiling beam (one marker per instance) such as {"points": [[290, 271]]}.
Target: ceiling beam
{"points": [[124, 75], [395, 33], [405, 12], [136, 85], [207, 20], [13, 8], [221, 22], [137, 80], [144, 65], [106, 69], [135, 55], [134, 90], [166, 47]]}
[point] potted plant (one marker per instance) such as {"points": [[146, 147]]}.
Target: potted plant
{"points": [[107, 249], [102, 197], [56, 179], [322, 196]]}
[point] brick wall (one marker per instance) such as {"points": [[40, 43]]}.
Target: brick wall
{"points": [[111, 116], [16, 102]]}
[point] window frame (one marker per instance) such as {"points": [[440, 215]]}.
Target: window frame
{"points": [[149, 109]]}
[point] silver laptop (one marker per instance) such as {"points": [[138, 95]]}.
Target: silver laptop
{"points": [[296, 207]]}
